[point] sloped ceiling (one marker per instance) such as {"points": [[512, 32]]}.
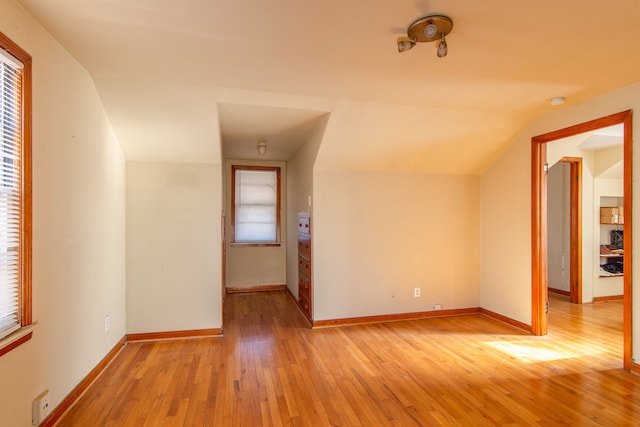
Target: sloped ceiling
{"points": [[165, 70], [604, 147]]}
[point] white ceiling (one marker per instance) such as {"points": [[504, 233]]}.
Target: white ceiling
{"points": [[284, 129], [165, 70], [603, 138]]}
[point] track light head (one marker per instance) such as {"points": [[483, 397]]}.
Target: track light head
{"points": [[442, 47], [405, 44]]}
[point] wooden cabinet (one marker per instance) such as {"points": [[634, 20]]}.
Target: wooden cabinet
{"points": [[305, 264], [612, 215]]}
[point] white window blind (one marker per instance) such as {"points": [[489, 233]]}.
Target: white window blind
{"points": [[256, 198], [10, 191]]}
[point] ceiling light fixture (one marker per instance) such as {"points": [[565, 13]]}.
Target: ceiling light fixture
{"points": [[262, 146], [558, 100], [427, 29], [442, 48]]}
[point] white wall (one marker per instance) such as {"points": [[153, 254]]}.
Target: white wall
{"points": [[593, 187], [300, 196], [594, 233], [249, 266], [505, 214], [558, 235], [377, 236], [568, 147], [506, 193], [173, 247], [78, 228]]}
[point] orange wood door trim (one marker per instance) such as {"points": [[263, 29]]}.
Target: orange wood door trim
{"points": [[575, 214], [628, 246], [539, 223], [538, 238]]}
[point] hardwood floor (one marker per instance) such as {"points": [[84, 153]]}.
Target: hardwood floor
{"points": [[269, 369]]}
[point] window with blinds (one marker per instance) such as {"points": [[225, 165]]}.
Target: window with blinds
{"points": [[15, 304], [256, 204]]}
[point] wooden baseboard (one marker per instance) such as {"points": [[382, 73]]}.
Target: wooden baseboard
{"points": [[608, 298], [635, 368], [393, 317], [505, 319], [172, 335], [263, 288], [79, 390], [418, 316], [559, 291]]}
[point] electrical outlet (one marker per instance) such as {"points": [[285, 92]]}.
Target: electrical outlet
{"points": [[416, 292], [40, 408], [107, 323], [437, 306]]}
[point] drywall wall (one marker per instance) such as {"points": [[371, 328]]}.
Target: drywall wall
{"points": [[506, 190], [249, 266], [605, 161], [173, 247], [377, 236], [79, 228], [594, 234], [505, 229], [502, 189], [558, 235], [300, 196], [569, 147]]}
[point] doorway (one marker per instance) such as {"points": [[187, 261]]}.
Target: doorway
{"points": [[539, 222], [573, 212]]}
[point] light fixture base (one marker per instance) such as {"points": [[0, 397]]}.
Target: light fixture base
{"points": [[417, 30], [262, 146]]}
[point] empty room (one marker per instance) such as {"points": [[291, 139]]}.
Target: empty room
{"points": [[336, 213]]}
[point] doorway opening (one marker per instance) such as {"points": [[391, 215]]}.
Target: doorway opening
{"points": [[571, 177], [539, 222]]}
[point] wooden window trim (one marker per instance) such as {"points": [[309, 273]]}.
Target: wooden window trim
{"points": [[278, 171], [25, 274]]}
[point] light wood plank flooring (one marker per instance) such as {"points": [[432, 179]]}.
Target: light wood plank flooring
{"points": [[269, 369]]}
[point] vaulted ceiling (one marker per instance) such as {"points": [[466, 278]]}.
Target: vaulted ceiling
{"points": [[175, 74]]}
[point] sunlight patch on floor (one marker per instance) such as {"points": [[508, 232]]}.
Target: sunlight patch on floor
{"points": [[533, 353]]}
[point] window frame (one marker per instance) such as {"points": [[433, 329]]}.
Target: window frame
{"points": [[278, 171], [23, 334]]}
